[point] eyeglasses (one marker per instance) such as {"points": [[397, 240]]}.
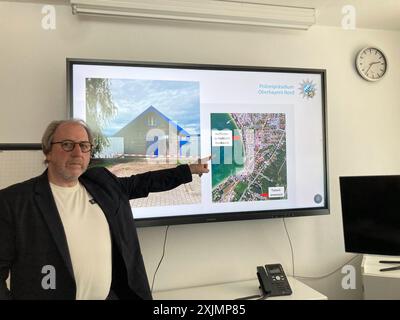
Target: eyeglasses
{"points": [[68, 145]]}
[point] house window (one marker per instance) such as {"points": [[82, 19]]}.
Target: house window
{"points": [[151, 122]]}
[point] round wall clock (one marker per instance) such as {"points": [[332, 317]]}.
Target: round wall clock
{"points": [[371, 64]]}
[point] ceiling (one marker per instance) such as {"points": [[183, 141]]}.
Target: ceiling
{"points": [[370, 14]]}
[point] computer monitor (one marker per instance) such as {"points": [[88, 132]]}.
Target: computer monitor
{"points": [[371, 214]]}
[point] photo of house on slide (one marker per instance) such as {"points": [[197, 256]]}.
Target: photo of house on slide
{"points": [[144, 125]]}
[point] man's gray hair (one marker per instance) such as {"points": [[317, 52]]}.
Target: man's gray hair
{"points": [[48, 135]]}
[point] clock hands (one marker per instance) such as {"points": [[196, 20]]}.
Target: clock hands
{"points": [[371, 64]]}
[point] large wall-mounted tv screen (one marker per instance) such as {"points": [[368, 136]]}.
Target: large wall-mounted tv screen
{"points": [[263, 127]]}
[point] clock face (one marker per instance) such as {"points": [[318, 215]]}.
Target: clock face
{"points": [[371, 64]]}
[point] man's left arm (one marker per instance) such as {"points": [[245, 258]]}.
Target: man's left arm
{"points": [[140, 185]]}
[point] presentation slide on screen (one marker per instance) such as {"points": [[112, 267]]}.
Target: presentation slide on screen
{"points": [[263, 129]]}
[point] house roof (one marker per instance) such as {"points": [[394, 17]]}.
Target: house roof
{"points": [[179, 129]]}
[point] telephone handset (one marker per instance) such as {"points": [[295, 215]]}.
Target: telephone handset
{"points": [[273, 281]]}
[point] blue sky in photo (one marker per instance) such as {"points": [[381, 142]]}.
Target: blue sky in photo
{"points": [[178, 100]]}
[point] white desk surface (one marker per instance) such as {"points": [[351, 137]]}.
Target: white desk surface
{"points": [[371, 266], [235, 290]]}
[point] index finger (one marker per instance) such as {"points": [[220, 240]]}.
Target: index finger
{"points": [[204, 160]]}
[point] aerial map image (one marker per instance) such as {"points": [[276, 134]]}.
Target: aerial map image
{"points": [[249, 157]]}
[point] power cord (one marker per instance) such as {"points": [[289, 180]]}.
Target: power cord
{"points": [[261, 296], [161, 259], [258, 296], [314, 277], [331, 273], [291, 247]]}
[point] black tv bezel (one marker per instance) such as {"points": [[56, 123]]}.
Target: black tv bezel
{"points": [[225, 216]]}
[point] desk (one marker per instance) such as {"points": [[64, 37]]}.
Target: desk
{"points": [[235, 290], [379, 285]]}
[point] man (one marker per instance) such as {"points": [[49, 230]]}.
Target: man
{"points": [[69, 233]]}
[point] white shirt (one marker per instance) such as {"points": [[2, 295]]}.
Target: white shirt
{"points": [[89, 241]]}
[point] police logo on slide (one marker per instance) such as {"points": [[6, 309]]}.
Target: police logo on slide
{"points": [[307, 89]]}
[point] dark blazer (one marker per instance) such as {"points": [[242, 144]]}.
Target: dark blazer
{"points": [[32, 235]]}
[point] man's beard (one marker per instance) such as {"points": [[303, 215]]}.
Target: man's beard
{"points": [[71, 177]]}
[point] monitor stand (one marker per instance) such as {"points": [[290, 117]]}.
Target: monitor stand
{"points": [[390, 262]]}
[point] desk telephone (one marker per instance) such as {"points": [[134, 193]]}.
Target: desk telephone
{"points": [[273, 281]]}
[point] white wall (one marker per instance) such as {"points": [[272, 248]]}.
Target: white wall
{"points": [[362, 118]]}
